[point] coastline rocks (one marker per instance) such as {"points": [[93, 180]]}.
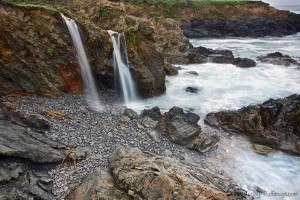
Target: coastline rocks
{"points": [[182, 128], [278, 58], [275, 123], [146, 176], [251, 19], [202, 55]]}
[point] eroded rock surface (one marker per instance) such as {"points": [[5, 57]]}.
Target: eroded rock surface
{"points": [[275, 123], [146, 176]]}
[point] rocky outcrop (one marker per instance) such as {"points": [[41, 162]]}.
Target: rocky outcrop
{"points": [[203, 55], [251, 19], [275, 123], [182, 128], [147, 176], [278, 58], [25, 158]]}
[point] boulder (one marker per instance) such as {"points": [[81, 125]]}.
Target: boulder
{"points": [[147, 176], [275, 123], [278, 58], [182, 128], [154, 113], [130, 113], [98, 185], [244, 62]]}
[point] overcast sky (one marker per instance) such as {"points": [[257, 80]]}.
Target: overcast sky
{"points": [[283, 2]]}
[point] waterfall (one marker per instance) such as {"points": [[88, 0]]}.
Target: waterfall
{"points": [[123, 79], [90, 89]]}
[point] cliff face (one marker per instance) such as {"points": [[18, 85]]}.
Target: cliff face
{"points": [[36, 53]]}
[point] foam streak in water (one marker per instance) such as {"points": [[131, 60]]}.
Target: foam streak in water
{"points": [[121, 68], [92, 97]]}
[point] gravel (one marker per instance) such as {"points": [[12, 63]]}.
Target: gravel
{"points": [[100, 132]]}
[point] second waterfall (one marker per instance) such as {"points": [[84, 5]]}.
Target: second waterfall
{"points": [[123, 79]]}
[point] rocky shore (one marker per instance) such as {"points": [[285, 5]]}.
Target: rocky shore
{"points": [[97, 134]]}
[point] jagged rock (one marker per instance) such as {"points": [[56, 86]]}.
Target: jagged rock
{"points": [[38, 121], [278, 58], [244, 62], [275, 123], [98, 185], [155, 177], [130, 113], [182, 128]]}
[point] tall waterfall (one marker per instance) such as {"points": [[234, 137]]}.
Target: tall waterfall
{"points": [[123, 79], [90, 89]]}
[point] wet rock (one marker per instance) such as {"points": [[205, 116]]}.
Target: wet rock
{"points": [[278, 58], [38, 121], [148, 122], [275, 123], [170, 69], [156, 177], [130, 113], [193, 73], [192, 90], [261, 149], [244, 62], [98, 185], [182, 128]]}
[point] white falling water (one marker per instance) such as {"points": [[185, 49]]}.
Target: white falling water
{"points": [[91, 94], [121, 68]]}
